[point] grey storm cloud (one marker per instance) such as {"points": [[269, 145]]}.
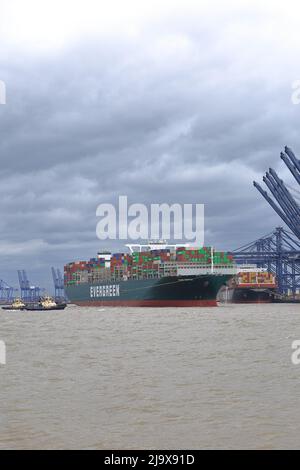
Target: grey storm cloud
{"points": [[192, 109]]}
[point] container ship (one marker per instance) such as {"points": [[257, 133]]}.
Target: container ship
{"points": [[250, 285], [152, 275]]}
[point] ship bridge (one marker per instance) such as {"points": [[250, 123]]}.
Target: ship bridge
{"points": [[154, 245]]}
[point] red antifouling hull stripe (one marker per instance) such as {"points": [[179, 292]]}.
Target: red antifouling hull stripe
{"points": [[147, 303], [250, 301]]}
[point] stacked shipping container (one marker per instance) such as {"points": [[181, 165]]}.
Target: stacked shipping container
{"points": [[74, 272], [203, 255], [256, 279], [142, 264]]}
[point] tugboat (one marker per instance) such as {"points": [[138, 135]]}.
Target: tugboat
{"points": [[45, 303], [17, 304]]}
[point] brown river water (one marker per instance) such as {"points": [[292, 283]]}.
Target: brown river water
{"points": [[112, 378]]}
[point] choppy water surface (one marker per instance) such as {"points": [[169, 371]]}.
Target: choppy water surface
{"points": [[151, 378]]}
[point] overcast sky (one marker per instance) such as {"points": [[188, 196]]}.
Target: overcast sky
{"points": [[180, 102]]}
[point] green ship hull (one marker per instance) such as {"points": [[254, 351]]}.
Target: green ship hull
{"points": [[176, 291]]}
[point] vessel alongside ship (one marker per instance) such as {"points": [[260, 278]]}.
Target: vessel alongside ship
{"points": [[155, 275], [251, 285]]}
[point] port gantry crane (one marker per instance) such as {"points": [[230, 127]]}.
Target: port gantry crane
{"points": [[59, 287], [279, 252], [283, 202], [29, 293], [6, 293]]}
